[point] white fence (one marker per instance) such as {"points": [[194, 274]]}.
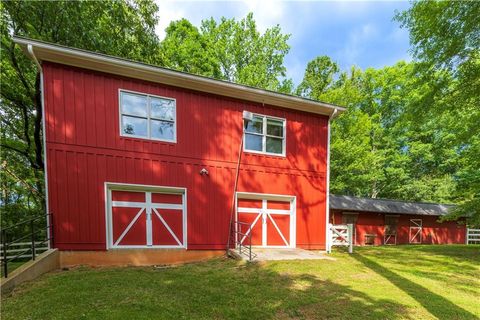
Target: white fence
{"points": [[340, 235], [23, 249], [473, 236]]}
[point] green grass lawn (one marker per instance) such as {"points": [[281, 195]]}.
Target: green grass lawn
{"points": [[404, 282]]}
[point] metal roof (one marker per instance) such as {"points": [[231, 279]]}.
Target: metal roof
{"points": [[388, 206], [45, 51]]}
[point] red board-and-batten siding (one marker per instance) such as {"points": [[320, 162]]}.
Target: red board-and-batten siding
{"points": [[85, 150], [433, 231]]}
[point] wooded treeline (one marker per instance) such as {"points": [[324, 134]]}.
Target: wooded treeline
{"points": [[411, 131]]}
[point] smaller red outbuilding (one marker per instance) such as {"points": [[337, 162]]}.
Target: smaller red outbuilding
{"points": [[390, 222]]}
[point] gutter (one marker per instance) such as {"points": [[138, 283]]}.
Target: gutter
{"points": [[44, 137]]}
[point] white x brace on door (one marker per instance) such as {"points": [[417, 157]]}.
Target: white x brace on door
{"points": [[271, 219], [145, 216], [415, 234]]}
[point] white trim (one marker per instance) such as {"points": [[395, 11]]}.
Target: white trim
{"points": [[147, 189], [128, 204], [264, 223], [264, 136], [149, 225], [148, 117], [185, 224], [265, 213], [257, 210], [123, 67], [418, 226], [327, 193], [266, 196]]}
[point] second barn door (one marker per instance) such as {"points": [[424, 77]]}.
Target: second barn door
{"points": [[268, 219]]}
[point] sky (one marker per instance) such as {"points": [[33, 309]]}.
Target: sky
{"points": [[350, 32]]}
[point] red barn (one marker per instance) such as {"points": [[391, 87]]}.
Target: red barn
{"points": [[383, 221], [142, 157]]}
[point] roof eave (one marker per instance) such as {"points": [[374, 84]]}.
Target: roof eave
{"points": [[113, 65], [390, 212]]}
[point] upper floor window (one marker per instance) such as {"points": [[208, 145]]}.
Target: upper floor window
{"points": [[147, 116], [265, 135]]}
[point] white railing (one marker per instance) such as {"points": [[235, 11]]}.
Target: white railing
{"points": [[340, 235], [16, 249], [473, 236]]}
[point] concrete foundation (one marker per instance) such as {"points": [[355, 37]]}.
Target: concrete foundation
{"points": [[135, 257]]}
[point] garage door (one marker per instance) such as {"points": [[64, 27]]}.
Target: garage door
{"points": [[269, 219], [143, 216]]}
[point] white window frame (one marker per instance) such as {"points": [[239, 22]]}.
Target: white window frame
{"points": [[264, 137], [148, 118]]}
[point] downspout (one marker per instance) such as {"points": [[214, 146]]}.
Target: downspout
{"points": [[327, 201], [39, 66]]}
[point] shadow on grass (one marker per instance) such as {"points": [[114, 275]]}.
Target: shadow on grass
{"points": [[219, 289], [437, 305]]}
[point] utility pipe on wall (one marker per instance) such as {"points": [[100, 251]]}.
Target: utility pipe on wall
{"points": [[246, 117]]}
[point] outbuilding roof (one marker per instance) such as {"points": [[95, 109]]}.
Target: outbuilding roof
{"points": [[45, 51], [388, 206]]}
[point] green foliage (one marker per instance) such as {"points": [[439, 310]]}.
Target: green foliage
{"points": [[318, 78], [186, 49], [229, 50], [445, 36]]}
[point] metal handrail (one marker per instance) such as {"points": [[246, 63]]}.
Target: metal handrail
{"points": [[33, 243], [24, 222], [236, 231]]}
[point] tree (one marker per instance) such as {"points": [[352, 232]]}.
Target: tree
{"points": [[446, 43], [378, 148], [185, 48], [124, 28], [229, 50], [445, 35], [319, 77]]}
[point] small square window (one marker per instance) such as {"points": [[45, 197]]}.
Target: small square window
{"points": [[147, 116], [265, 135]]}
